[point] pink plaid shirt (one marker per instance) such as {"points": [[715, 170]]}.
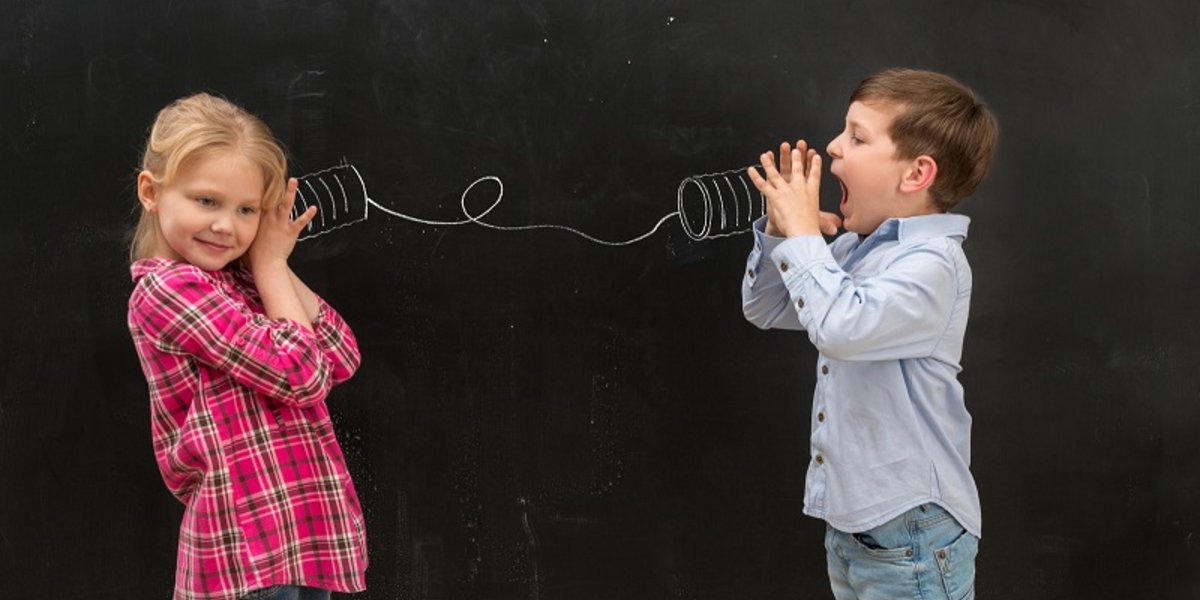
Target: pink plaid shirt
{"points": [[242, 434]]}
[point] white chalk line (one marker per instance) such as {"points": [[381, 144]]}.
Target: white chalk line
{"points": [[477, 219]]}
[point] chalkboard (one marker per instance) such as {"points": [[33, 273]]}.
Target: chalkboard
{"points": [[543, 416]]}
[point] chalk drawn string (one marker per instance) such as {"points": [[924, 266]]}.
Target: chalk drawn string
{"points": [[478, 218], [709, 206]]}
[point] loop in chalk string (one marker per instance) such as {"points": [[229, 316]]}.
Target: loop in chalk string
{"points": [[710, 206], [478, 218]]}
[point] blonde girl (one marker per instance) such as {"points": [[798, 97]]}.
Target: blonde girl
{"points": [[239, 355]]}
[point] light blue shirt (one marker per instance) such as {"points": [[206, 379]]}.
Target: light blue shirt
{"points": [[887, 313]]}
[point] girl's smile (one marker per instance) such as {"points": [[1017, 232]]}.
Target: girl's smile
{"points": [[214, 247]]}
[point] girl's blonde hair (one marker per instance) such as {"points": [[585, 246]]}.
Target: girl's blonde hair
{"points": [[192, 127]]}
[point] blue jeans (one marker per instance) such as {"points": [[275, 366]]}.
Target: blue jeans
{"points": [[922, 554], [287, 592]]}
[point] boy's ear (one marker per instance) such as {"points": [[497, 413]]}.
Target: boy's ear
{"points": [[147, 191], [919, 175]]}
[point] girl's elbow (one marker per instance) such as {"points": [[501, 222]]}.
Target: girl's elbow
{"points": [[308, 391], [353, 362], [345, 366], [305, 397]]}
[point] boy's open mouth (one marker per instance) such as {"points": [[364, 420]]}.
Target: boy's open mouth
{"points": [[845, 195]]}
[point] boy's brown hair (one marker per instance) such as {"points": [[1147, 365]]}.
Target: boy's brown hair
{"points": [[939, 117]]}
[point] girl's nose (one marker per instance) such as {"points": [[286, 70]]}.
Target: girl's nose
{"points": [[221, 224]]}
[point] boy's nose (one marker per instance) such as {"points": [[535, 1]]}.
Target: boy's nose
{"points": [[833, 150]]}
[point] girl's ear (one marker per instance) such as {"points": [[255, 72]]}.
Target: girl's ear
{"points": [[147, 191], [920, 174]]}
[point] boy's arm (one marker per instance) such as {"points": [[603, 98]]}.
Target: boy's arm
{"points": [[901, 312], [765, 300]]}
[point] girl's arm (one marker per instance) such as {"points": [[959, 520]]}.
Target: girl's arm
{"points": [[182, 311], [308, 298], [279, 296], [268, 257], [285, 296], [333, 334]]}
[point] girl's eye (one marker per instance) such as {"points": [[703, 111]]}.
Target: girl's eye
{"points": [[247, 210], [206, 201]]}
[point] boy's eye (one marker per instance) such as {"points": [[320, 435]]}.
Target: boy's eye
{"points": [[854, 139]]}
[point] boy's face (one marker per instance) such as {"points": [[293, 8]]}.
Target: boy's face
{"points": [[208, 215], [867, 165]]}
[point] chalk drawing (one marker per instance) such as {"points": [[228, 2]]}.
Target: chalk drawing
{"points": [[708, 206], [718, 204]]}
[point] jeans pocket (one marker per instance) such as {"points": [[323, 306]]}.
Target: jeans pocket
{"points": [[870, 548], [956, 564], [868, 541]]}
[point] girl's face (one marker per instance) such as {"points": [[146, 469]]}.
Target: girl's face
{"points": [[208, 214]]}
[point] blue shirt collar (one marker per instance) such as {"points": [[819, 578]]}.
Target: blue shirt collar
{"points": [[923, 227]]}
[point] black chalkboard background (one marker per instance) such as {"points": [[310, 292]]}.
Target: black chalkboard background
{"points": [[542, 417]]}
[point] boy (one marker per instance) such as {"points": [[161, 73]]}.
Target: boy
{"points": [[886, 306]]}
